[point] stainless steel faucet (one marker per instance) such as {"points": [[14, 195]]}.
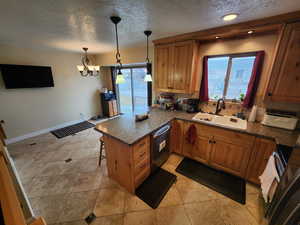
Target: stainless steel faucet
{"points": [[219, 107]]}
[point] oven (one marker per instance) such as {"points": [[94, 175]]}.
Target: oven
{"points": [[160, 147]]}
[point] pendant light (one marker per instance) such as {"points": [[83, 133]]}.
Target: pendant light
{"points": [[148, 77], [120, 78]]}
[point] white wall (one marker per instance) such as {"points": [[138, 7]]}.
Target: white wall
{"points": [[30, 110]]}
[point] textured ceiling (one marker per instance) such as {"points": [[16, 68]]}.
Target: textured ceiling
{"points": [[72, 24]]}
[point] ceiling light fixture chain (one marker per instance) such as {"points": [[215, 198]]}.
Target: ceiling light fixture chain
{"points": [[120, 78]]}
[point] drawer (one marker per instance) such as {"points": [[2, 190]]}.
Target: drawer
{"points": [[140, 166], [142, 176], [141, 150]]}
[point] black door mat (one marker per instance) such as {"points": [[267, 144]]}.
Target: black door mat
{"points": [[71, 130], [155, 187], [229, 185]]}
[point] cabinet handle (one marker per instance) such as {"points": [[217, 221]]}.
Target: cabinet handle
{"points": [[297, 64], [141, 144], [143, 166], [142, 154], [116, 162], [269, 94]]}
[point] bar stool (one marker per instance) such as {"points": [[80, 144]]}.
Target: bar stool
{"points": [[102, 156]]}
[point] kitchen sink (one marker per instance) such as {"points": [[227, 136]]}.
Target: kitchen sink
{"points": [[224, 121]]}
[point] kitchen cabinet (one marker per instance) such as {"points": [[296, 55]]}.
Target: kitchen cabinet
{"points": [[222, 149], [175, 136], [284, 81], [230, 157], [126, 164], [201, 149], [260, 154], [175, 67]]}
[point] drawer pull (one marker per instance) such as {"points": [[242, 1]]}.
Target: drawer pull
{"points": [[141, 144], [142, 154], [143, 166]]}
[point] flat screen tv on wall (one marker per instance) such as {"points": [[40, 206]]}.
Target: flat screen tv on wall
{"points": [[19, 76]]}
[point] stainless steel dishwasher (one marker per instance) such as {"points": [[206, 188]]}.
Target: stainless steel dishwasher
{"points": [[160, 146]]}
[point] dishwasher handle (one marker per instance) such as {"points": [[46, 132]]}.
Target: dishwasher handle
{"points": [[162, 131]]}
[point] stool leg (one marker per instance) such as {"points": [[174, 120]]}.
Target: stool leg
{"points": [[101, 149]]}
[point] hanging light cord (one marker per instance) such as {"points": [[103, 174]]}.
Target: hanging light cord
{"points": [[147, 59], [118, 55]]}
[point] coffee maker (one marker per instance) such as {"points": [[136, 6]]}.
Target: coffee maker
{"points": [[192, 105]]}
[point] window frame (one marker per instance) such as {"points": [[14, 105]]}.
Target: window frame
{"points": [[228, 71], [116, 87]]}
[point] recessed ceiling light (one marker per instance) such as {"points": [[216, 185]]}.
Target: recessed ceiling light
{"points": [[217, 37], [250, 31], [230, 16]]}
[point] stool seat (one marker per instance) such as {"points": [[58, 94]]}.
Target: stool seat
{"points": [[101, 139]]}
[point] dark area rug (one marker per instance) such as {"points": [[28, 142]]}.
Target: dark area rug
{"points": [[155, 187], [71, 130], [229, 185]]}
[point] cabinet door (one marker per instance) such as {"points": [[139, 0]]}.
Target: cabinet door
{"points": [[201, 150], [285, 77], [260, 154], [230, 157], [176, 136], [182, 66], [163, 66]]}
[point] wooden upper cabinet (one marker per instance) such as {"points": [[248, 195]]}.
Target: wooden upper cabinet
{"points": [[284, 82], [176, 67], [163, 66], [260, 154]]}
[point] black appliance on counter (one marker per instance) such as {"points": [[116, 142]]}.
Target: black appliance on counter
{"points": [[192, 105], [160, 151]]}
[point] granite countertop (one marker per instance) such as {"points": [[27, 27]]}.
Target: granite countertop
{"points": [[125, 129]]}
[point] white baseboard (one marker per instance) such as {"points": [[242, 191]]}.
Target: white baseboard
{"points": [[39, 132]]}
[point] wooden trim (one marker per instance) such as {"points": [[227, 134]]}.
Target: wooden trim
{"points": [[11, 207], [2, 133], [269, 24]]}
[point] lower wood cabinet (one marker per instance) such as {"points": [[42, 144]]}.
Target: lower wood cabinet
{"points": [[176, 136], [230, 157], [260, 154], [128, 165], [240, 154]]}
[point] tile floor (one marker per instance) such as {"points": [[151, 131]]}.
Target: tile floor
{"points": [[64, 193]]}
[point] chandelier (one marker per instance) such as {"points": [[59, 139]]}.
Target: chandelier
{"points": [[86, 68]]}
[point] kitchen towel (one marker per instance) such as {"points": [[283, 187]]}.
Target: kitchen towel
{"points": [[268, 176]]}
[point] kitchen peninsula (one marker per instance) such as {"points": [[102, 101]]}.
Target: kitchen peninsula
{"points": [[239, 152]]}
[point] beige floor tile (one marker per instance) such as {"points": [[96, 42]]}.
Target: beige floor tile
{"points": [[86, 182], [49, 207], [107, 182], [254, 204], [89, 165], [147, 217], [78, 206], [76, 222], [174, 159], [133, 203], [235, 213], [109, 220], [252, 188], [174, 215], [44, 186], [109, 202], [204, 213], [191, 191], [72, 167], [171, 198], [52, 168]]}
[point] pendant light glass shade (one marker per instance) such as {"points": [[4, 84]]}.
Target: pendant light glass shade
{"points": [[148, 78], [120, 78]]}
